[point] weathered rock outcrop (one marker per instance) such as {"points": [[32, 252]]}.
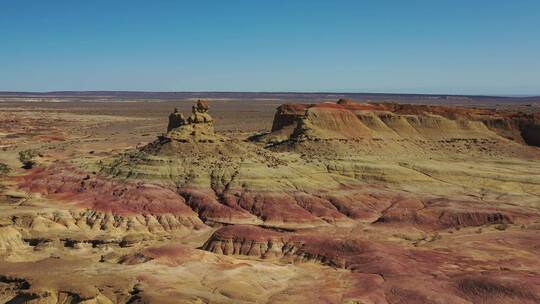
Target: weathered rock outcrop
{"points": [[10, 241], [399, 121], [328, 122], [442, 214], [176, 120], [198, 127], [107, 204], [355, 254]]}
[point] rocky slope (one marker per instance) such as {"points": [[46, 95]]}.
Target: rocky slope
{"points": [[348, 120]]}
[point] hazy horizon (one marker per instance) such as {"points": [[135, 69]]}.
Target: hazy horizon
{"points": [[270, 92]]}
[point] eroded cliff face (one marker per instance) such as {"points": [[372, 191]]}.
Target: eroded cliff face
{"points": [[394, 264], [387, 120], [524, 128], [346, 202]]}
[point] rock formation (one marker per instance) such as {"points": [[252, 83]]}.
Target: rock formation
{"points": [[198, 127], [176, 119], [200, 113], [351, 120]]}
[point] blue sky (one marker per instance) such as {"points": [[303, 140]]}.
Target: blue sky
{"points": [[443, 46]]}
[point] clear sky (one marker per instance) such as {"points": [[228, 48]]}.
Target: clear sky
{"points": [[431, 46]]}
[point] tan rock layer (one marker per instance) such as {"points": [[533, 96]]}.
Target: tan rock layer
{"points": [[334, 120]]}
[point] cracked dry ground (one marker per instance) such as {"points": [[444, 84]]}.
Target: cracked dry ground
{"points": [[411, 208]]}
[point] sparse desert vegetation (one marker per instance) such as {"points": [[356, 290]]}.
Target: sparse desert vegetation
{"points": [[28, 158]]}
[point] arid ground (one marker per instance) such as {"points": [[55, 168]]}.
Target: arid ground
{"points": [[269, 199]]}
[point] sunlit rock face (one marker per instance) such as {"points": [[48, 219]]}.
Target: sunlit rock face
{"points": [[349, 120], [198, 127]]}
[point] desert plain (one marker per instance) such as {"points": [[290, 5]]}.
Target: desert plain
{"points": [[276, 198]]}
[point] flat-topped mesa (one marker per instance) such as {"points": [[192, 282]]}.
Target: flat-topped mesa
{"points": [[348, 120], [198, 127], [288, 114]]}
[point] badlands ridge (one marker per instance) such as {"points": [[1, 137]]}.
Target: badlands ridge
{"points": [[339, 202]]}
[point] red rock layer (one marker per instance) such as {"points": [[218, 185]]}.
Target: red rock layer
{"points": [[517, 126], [395, 265], [440, 214], [285, 209], [66, 183]]}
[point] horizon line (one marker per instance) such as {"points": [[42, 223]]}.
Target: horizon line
{"points": [[272, 92]]}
